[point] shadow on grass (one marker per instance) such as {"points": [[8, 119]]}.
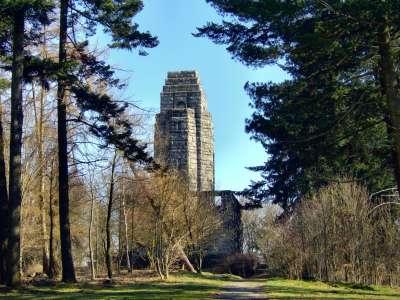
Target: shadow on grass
{"points": [[145, 291], [354, 286]]}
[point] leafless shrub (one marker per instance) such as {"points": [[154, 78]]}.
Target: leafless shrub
{"points": [[334, 235]]}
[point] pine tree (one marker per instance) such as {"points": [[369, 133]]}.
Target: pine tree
{"points": [[15, 14], [342, 58], [116, 18]]}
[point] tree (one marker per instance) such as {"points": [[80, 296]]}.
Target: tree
{"points": [[202, 222], [13, 246], [91, 221], [3, 192], [116, 18], [79, 72], [163, 204], [125, 216], [341, 56], [109, 256], [14, 15], [178, 219], [68, 271]]}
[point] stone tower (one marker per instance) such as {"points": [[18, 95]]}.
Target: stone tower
{"points": [[183, 132]]}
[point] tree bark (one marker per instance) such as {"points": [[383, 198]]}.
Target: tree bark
{"points": [[97, 242], [68, 271], [52, 265], [40, 141], [128, 261], [108, 221], [184, 259], [132, 232], [390, 89], [40, 193], [93, 273], [3, 204], [13, 245], [119, 239]]}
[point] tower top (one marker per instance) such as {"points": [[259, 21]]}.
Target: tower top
{"points": [[182, 89], [183, 74]]}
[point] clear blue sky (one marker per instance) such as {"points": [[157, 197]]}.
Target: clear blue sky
{"points": [[222, 78]]}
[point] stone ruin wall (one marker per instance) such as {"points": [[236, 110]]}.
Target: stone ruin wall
{"points": [[183, 132]]}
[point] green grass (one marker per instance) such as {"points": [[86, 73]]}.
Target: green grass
{"points": [[297, 289], [179, 286], [190, 286]]}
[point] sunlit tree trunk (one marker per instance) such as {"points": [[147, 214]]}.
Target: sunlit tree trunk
{"points": [[97, 243], [128, 261], [39, 119], [3, 203], [52, 264], [132, 232], [92, 198], [40, 140], [119, 260]]}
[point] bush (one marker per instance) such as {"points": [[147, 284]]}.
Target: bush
{"points": [[335, 234], [240, 264]]}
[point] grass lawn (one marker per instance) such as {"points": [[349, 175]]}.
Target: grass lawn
{"points": [[297, 289], [191, 286], [179, 286]]}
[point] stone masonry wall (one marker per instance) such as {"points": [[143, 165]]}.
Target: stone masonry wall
{"points": [[183, 132]]}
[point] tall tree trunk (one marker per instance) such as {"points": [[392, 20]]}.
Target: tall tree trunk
{"points": [[132, 232], [108, 221], [68, 271], [119, 238], [52, 265], [128, 261], [40, 141], [97, 241], [13, 245], [3, 204], [93, 273], [392, 95], [39, 118], [45, 249]]}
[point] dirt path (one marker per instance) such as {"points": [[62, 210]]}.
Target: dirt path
{"points": [[243, 290]]}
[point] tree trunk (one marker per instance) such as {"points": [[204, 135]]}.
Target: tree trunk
{"points": [[97, 241], [93, 273], [119, 238], [128, 261], [390, 89], [184, 259], [108, 221], [3, 204], [68, 271], [132, 232], [42, 202], [13, 246], [52, 265], [40, 193]]}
